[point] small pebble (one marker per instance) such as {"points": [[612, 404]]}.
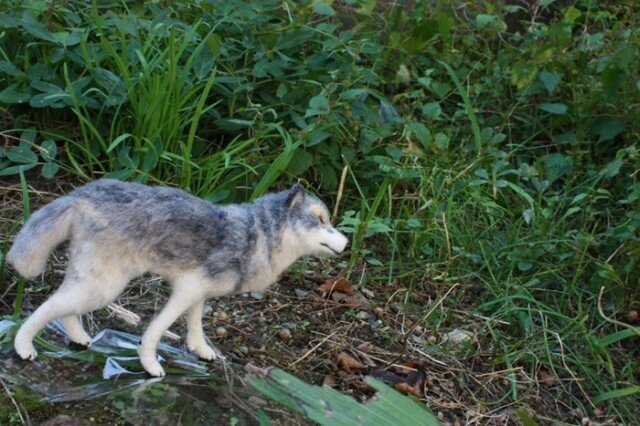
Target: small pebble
{"points": [[222, 316], [586, 421], [243, 350], [362, 315], [301, 294], [221, 333], [432, 340], [257, 295], [368, 293], [274, 303], [418, 330], [257, 401], [379, 312], [632, 316], [285, 334]]}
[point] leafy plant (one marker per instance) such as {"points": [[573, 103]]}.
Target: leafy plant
{"points": [[327, 406]]}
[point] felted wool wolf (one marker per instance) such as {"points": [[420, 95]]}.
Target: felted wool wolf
{"points": [[120, 230]]}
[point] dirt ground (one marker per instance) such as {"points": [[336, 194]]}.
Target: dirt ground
{"points": [[328, 330]]}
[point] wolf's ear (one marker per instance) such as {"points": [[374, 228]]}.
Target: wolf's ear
{"points": [[296, 196]]}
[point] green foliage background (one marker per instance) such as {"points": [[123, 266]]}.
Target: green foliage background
{"points": [[487, 144]]}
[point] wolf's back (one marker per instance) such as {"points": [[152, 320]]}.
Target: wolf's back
{"points": [[47, 228]]}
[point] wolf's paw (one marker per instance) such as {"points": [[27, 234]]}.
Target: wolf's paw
{"points": [[81, 338], [152, 366], [205, 351], [25, 350]]}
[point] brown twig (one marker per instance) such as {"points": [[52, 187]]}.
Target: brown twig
{"points": [[429, 312], [13, 401], [343, 179], [636, 330], [313, 349]]}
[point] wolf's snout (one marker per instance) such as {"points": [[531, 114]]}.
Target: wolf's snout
{"points": [[335, 243], [342, 243]]}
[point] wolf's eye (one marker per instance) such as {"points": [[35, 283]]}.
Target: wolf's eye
{"points": [[322, 219]]}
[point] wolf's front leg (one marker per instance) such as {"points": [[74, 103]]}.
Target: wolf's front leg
{"points": [[195, 335], [179, 302]]}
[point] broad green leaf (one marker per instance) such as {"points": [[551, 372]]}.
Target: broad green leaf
{"points": [[355, 93], [22, 154], [554, 108], [214, 43], [550, 80], [556, 165], [388, 113], [125, 160], [323, 8], [421, 132], [48, 150], [44, 100], [571, 14], [68, 39], [114, 86], [36, 29], [11, 95], [8, 21], [327, 406], [607, 128], [525, 418], [432, 110], [300, 162], [10, 69], [28, 137], [49, 170], [442, 141], [14, 170], [612, 168], [319, 102], [43, 86], [491, 22], [522, 74]]}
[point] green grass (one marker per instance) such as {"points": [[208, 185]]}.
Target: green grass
{"points": [[484, 146]]}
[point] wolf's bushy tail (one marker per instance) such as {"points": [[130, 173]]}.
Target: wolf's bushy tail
{"points": [[47, 228]]}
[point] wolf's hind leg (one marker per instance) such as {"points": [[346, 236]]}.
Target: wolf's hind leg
{"points": [[195, 335], [60, 304], [73, 326], [85, 288]]}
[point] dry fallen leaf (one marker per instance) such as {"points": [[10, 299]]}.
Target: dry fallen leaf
{"points": [[340, 284], [329, 381], [351, 301], [408, 378], [546, 376], [405, 388], [348, 363]]}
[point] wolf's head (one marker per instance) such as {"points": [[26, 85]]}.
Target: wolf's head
{"points": [[307, 229]]}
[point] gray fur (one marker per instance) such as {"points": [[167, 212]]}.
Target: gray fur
{"points": [[121, 230]]}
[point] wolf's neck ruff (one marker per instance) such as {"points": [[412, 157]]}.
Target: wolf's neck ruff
{"points": [[121, 230]]}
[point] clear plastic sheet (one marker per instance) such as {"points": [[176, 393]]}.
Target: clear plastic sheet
{"points": [[109, 374]]}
